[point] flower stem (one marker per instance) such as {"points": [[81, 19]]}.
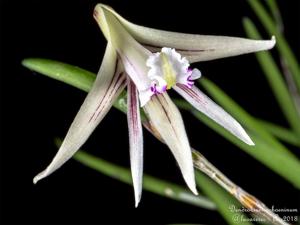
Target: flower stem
{"points": [[247, 200]]}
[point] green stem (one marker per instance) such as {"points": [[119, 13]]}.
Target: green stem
{"points": [[273, 7], [72, 75], [281, 132], [226, 205]]}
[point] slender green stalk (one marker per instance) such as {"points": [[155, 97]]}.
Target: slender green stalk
{"points": [[292, 86], [282, 44], [273, 7], [226, 205], [247, 200], [281, 133], [72, 75], [275, 79]]}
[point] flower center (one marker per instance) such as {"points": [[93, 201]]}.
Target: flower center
{"points": [[169, 74], [167, 69]]}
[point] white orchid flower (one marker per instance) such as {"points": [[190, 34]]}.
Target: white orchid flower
{"points": [[150, 62]]}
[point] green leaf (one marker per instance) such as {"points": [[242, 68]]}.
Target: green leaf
{"points": [[72, 75], [281, 133], [273, 7], [275, 79], [226, 204], [282, 45]]}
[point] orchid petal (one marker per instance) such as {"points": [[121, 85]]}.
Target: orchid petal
{"points": [[192, 46], [205, 105], [145, 96], [196, 74], [166, 119], [197, 48], [132, 54], [135, 140], [109, 83]]}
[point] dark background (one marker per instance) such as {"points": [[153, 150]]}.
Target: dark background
{"points": [[35, 109]]}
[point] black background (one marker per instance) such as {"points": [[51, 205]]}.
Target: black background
{"points": [[35, 109]]}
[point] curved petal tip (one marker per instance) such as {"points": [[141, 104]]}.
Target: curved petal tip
{"points": [[242, 134], [40, 176], [137, 200], [272, 42], [247, 139], [190, 181], [193, 189]]}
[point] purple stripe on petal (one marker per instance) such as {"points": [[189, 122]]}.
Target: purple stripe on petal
{"points": [[165, 117], [205, 105], [136, 72], [155, 48], [106, 88], [119, 82], [135, 139]]}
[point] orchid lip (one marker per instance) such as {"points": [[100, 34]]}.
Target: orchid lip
{"points": [[168, 68]]}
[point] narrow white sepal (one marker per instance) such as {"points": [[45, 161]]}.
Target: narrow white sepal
{"points": [[194, 47], [205, 105], [197, 48], [109, 83], [132, 53], [166, 119], [135, 139]]}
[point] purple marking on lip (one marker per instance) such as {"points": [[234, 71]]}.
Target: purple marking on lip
{"points": [[189, 84], [155, 91], [189, 78], [164, 88]]}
